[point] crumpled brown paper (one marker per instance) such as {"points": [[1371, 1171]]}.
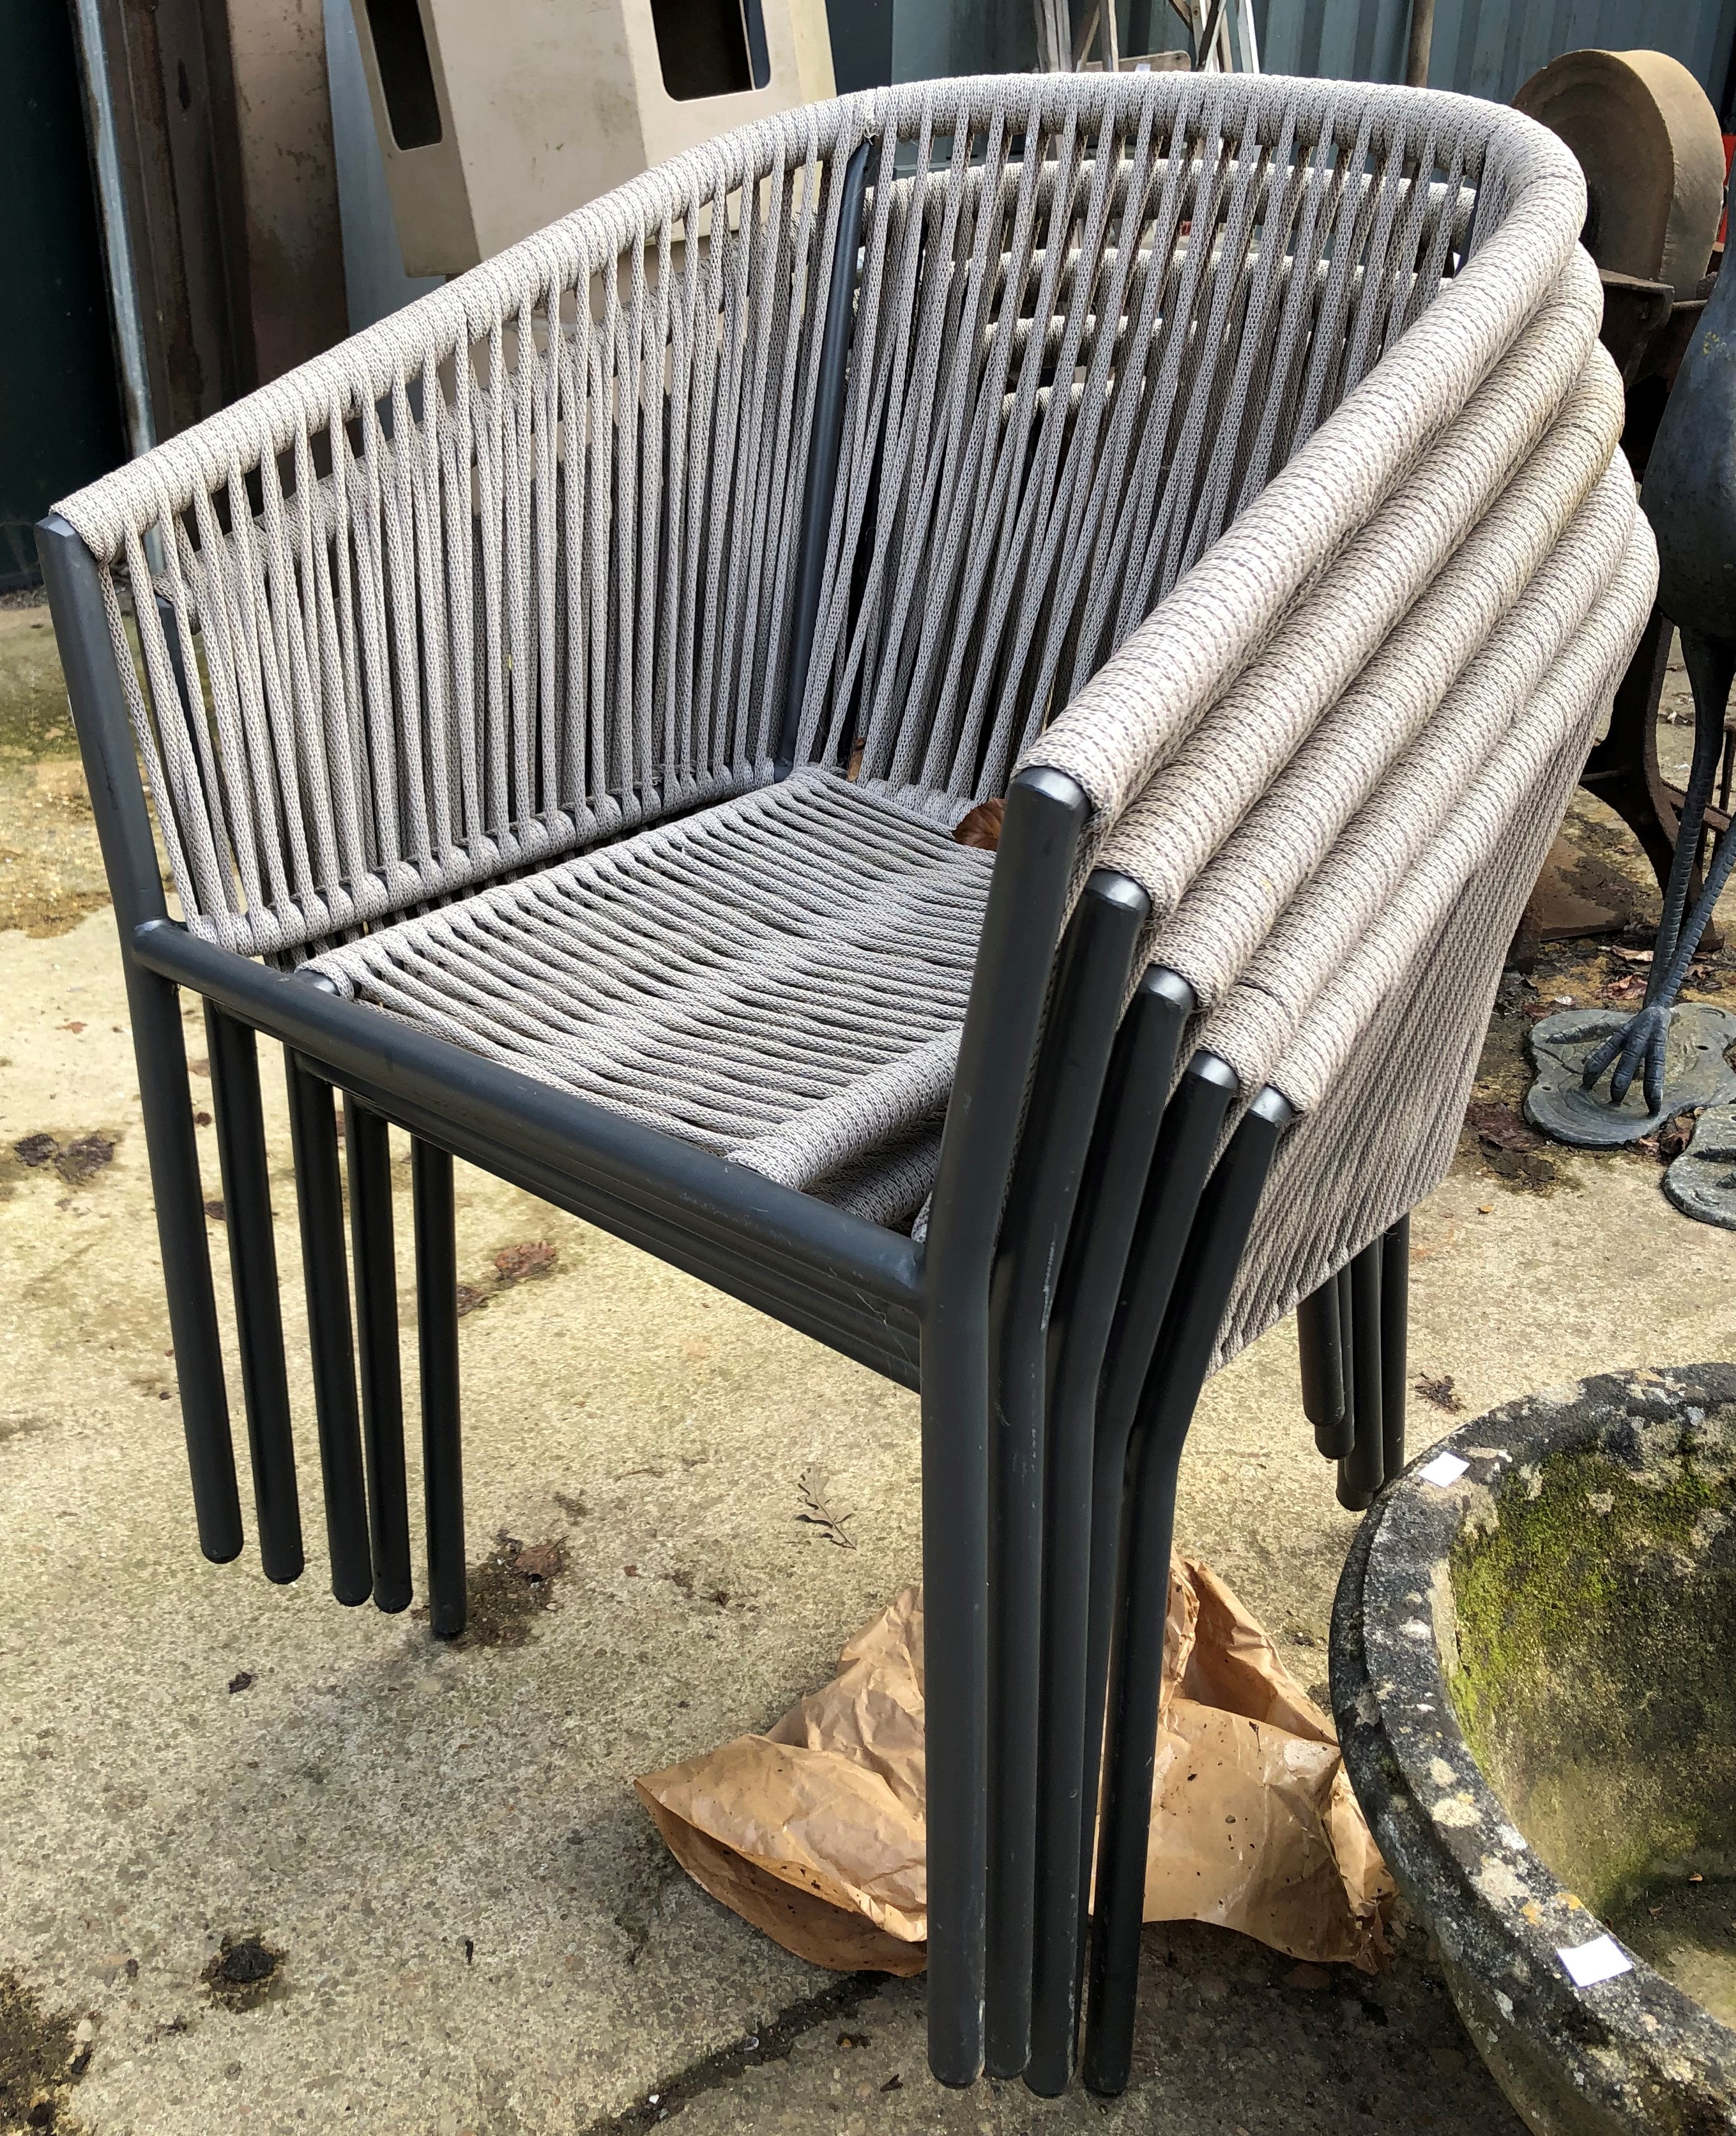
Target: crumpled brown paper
{"points": [[814, 1832]]}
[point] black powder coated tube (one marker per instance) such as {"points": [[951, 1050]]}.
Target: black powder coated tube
{"points": [[130, 859], [368, 1162], [1079, 1037], [1320, 1345], [319, 1193], [1199, 1299], [235, 1076], [1027, 908], [1358, 1475], [1394, 1344], [825, 444], [437, 1344], [1120, 1161]]}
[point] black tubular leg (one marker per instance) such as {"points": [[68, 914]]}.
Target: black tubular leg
{"points": [[313, 1139], [1359, 1474], [153, 1006], [437, 1344], [1321, 1349], [1346, 1352], [1197, 1310], [1394, 1344], [1192, 1123], [825, 444], [235, 1076], [368, 1162], [1046, 813], [1078, 1037], [1129, 1118]]}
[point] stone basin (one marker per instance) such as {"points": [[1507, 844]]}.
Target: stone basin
{"points": [[1535, 1678]]}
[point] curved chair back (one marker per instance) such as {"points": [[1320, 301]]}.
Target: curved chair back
{"points": [[518, 568]]}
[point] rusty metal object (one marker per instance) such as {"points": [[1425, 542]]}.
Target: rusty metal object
{"points": [[1649, 144]]}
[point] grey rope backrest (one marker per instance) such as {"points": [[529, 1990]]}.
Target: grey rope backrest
{"points": [[505, 575], [510, 573], [1093, 322]]}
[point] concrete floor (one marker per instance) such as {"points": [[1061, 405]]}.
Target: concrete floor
{"points": [[473, 1926]]}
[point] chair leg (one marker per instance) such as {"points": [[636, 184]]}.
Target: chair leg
{"points": [[1132, 1115], [319, 1193], [437, 1345], [1195, 1313], [1359, 1472], [1394, 1345], [160, 1050], [235, 1074], [367, 1162], [1090, 989], [1192, 1123], [1027, 909], [955, 1581], [1320, 1343]]}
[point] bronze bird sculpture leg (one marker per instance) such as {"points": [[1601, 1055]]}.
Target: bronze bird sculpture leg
{"points": [[1638, 1047]]}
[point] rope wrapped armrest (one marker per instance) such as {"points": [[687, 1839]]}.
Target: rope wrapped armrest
{"points": [[1126, 720], [1237, 899], [1549, 647], [1564, 709], [1363, 607], [1385, 1060]]}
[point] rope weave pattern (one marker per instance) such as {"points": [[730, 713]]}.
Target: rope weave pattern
{"points": [[1236, 446], [782, 979]]}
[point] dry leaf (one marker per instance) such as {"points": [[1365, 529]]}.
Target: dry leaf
{"points": [[982, 827], [814, 1488], [515, 1264], [1439, 1392]]}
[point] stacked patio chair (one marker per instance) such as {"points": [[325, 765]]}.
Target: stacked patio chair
{"points": [[556, 703]]}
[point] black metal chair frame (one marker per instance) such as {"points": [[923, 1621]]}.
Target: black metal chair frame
{"points": [[1058, 1321]]}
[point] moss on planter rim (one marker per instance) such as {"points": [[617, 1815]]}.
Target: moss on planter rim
{"points": [[1531, 1677], [1592, 1615]]}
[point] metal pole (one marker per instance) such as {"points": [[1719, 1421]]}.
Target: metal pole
{"points": [[1359, 1472], [130, 859], [1046, 813], [1077, 1039], [368, 1169], [437, 1343], [1421, 40], [1394, 1345], [319, 1196], [135, 381], [234, 1079]]}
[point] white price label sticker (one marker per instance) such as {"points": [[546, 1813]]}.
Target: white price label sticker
{"points": [[1445, 1468], [1602, 1958]]}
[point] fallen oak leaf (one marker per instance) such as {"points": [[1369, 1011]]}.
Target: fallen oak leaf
{"points": [[517, 1263], [813, 1488]]}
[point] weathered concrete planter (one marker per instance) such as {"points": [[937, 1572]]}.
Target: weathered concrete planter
{"points": [[1534, 1678]]}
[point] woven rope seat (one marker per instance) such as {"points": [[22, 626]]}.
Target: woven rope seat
{"points": [[557, 705], [728, 977]]}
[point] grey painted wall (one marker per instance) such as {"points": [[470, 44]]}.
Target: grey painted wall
{"points": [[1481, 47], [1488, 47]]}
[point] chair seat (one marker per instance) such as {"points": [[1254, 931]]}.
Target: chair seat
{"points": [[781, 978]]}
